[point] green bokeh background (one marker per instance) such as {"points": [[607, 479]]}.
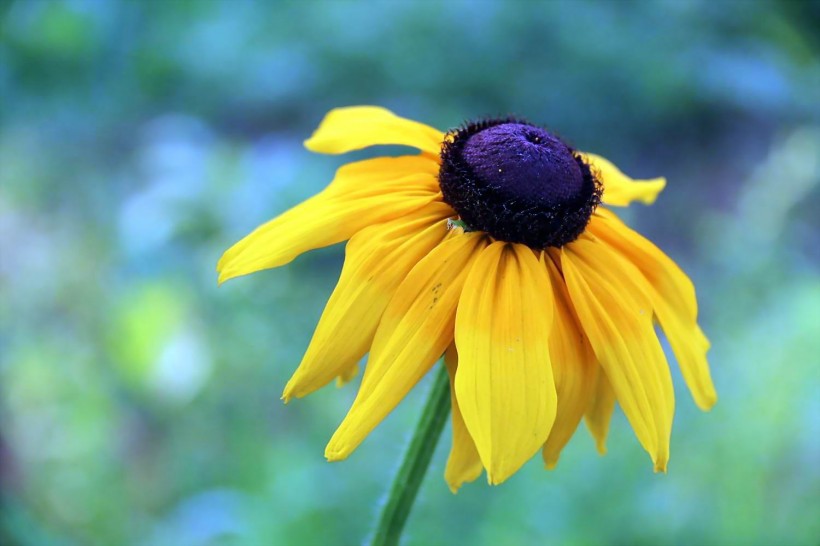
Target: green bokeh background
{"points": [[138, 140]]}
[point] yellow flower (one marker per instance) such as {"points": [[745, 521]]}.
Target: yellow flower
{"points": [[489, 246]]}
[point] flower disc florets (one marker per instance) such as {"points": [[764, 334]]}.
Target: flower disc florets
{"points": [[517, 182]]}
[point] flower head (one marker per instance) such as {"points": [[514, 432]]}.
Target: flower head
{"points": [[488, 246]]}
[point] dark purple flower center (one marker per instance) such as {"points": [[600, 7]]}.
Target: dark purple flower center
{"points": [[517, 182]]}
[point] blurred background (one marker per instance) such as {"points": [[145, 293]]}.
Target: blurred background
{"points": [[138, 140]]}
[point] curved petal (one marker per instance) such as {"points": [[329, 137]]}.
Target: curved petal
{"points": [[414, 331], [616, 314], [619, 189], [599, 413], [673, 298], [573, 364], [377, 259], [356, 127], [363, 193], [463, 464], [504, 382]]}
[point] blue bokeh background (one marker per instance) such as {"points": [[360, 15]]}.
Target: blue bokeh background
{"points": [[138, 140]]}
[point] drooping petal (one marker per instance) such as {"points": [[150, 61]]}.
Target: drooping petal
{"points": [[619, 189], [573, 364], [361, 194], [599, 413], [611, 300], [673, 298], [356, 127], [377, 259], [415, 329], [463, 464], [504, 381]]}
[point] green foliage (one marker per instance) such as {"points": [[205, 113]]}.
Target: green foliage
{"points": [[138, 140]]}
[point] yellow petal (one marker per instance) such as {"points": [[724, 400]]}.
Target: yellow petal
{"points": [[363, 193], [619, 189], [504, 382], [616, 313], [673, 298], [379, 173], [573, 364], [414, 331], [377, 259], [356, 127], [463, 464], [599, 413]]}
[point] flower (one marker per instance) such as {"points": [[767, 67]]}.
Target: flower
{"points": [[488, 246]]}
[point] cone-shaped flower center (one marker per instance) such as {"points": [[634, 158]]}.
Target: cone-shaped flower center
{"points": [[517, 182]]}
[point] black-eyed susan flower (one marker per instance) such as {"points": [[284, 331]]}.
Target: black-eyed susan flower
{"points": [[489, 246]]}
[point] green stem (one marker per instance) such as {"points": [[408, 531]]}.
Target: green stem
{"points": [[416, 460]]}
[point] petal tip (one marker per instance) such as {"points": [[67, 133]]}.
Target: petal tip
{"points": [[223, 271], [550, 458], [292, 390], [658, 185], [310, 144], [335, 453], [499, 475], [661, 464], [707, 402], [455, 480]]}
